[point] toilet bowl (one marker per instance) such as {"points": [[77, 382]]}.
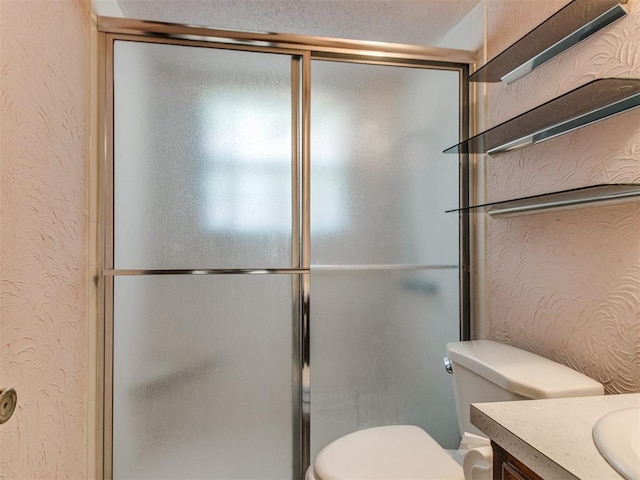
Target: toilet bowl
{"points": [[399, 452], [483, 371]]}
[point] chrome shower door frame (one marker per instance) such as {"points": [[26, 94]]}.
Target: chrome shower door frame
{"points": [[302, 50]]}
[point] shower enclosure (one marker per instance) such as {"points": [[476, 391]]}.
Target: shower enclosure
{"points": [[278, 266]]}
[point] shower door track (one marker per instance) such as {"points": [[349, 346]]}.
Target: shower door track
{"points": [[302, 49], [379, 52]]}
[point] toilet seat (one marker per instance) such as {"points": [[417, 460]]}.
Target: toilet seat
{"points": [[385, 453]]}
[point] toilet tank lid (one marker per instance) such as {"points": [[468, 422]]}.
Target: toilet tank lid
{"points": [[521, 372]]}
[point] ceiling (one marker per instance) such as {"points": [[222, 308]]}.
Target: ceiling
{"points": [[417, 22]]}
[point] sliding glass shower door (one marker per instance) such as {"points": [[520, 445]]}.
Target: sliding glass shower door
{"points": [[279, 269], [385, 256], [203, 195]]}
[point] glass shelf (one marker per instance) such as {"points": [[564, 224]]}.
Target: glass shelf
{"points": [[577, 197], [594, 101], [569, 26]]}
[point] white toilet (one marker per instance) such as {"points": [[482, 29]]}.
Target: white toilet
{"points": [[483, 371]]}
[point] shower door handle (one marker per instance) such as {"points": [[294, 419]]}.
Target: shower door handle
{"points": [[8, 401]]}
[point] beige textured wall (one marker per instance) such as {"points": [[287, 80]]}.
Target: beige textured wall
{"points": [[44, 121], [566, 284]]}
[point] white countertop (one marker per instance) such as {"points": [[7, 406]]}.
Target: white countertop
{"points": [[553, 437]]}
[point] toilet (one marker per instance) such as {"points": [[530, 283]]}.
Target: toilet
{"points": [[483, 371]]}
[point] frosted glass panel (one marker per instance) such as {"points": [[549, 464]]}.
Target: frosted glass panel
{"points": [[202, 147], [377, 344], [202, 377], [380, 183]]}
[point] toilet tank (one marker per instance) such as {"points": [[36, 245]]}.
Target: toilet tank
{"points": [[487, 371]]}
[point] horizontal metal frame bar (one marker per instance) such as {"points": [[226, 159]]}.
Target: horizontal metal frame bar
{"points": [[204, 271], [267, 271], [407, 62], [162, 40], [380, 267], [379, 50]]}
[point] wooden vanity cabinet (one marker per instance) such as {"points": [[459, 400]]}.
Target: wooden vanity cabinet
{"points": [[507, 467]]}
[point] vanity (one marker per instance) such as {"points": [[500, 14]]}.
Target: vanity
{"points": [[549, 439]]}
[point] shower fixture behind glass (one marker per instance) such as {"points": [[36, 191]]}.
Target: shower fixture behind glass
{"points": [[241, 171]]}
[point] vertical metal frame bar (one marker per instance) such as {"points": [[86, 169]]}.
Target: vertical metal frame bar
{"points": [[106, 182], [296, 258], [306, 160], [306, 261], [102, 142], [296, 140], [464, 218]]}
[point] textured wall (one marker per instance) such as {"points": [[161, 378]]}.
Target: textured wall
{"points": [[567, 284], [44, 114]]}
